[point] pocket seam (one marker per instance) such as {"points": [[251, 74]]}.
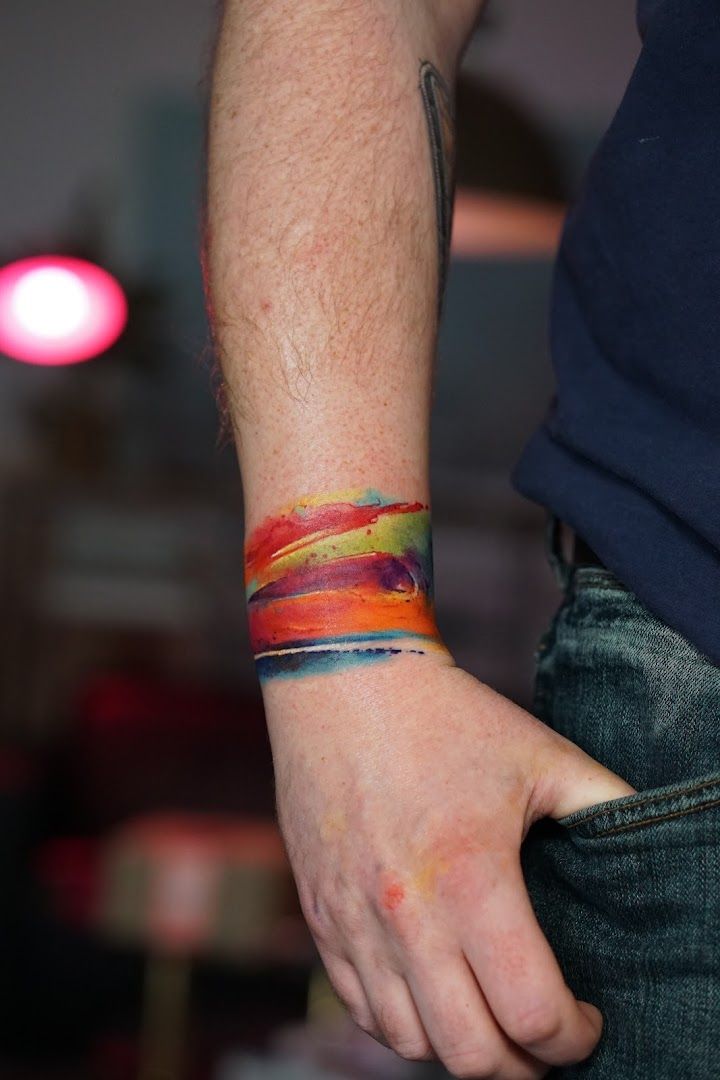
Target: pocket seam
{"points": [[650, 799], [661, 817], [598, 577]]}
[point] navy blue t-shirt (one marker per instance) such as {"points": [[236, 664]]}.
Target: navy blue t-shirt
{"points": [[629, 453]]}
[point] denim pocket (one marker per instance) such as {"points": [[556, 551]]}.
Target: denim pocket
{"points": [[627, 891], [644, 808], [630, 691], [628, 898]]}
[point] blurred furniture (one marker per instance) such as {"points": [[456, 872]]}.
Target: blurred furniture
{"points": [[188, 885], [164, 844], [98, 574], [487, 225], [141, 742], [327, 1046]]}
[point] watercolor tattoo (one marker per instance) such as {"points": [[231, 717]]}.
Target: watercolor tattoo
{"points": [[439, 114], [338, 580]]}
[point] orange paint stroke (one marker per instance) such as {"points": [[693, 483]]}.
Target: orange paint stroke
{"points": [[331, 614]]}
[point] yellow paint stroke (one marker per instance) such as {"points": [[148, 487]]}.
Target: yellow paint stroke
{"points": [[424, 881], [333, 825]]}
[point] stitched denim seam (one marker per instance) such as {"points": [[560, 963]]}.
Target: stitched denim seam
{"points": [[648, 799], [609, 623], [590, 577], [581, 584], [662, 817]]}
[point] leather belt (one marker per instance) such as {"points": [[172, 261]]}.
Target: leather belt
{"points": [[577, 551], [582, 553]]}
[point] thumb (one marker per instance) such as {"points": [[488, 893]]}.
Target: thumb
{"points": [[575, 781]]}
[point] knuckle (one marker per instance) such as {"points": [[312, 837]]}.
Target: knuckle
{"points": [[403, 925], [321, 933], [315, 914], [354, 1004], [330, 918], [471, 1064], [537, 1024], [361, 1017], [412, 1049], [389, 1024], [399, 1035]]}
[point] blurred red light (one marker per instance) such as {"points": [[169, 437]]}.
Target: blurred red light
{"points": [[58, 310]]}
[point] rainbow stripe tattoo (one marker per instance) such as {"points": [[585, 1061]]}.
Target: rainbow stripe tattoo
{"points": [[338, 580]]}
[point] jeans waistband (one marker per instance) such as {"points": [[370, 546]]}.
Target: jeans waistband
{"points": [[567, 552]]}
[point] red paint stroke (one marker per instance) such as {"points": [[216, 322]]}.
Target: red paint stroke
{"points": [[311, 524], [393, 896]]}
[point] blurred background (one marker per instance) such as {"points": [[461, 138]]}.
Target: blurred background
{"points": [[148, 927]]}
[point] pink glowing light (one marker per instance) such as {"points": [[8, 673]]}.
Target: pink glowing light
{"points": [[58, 310]]}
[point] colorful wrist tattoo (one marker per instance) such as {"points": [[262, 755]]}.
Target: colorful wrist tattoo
{"points": [[338, 580]]}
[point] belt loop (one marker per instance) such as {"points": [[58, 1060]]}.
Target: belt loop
{"points": [[554, 549]]}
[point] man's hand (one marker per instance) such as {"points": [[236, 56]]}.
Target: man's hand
{"points": [[405, 791]]}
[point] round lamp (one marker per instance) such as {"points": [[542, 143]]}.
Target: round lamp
{"points": [[55, 310]]}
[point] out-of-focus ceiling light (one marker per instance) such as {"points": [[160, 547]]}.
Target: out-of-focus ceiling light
{"points": [[55, 309]]}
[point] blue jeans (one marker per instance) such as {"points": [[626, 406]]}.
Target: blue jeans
{"points": [[628, 891]]}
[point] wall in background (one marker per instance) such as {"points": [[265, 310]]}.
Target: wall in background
{"points": [[72, 74], [103, 113], [567, 60]]}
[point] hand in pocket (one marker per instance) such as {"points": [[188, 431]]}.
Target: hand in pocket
{"points": [[404, 794]]}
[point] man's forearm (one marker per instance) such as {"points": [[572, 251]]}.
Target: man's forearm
{"points": [[330, 179]]}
